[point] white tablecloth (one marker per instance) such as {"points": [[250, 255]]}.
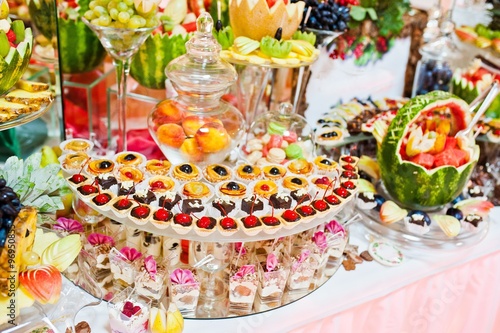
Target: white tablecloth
{"points": [[344, 291]]}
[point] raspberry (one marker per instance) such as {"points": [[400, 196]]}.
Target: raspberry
{"points": [[11, 36]]}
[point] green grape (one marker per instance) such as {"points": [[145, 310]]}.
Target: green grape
{"points": [[143, 21], [104, 20], [104, 3], [112, 4], [119, 25], [134, 22], [95, 21], [129, 2], [113, 12], [92, 4], [123, 17], [89, 15], [151, 22], [131, 12], [100, 11], [122, 7]]}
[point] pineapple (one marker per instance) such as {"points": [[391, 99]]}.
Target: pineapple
{"points": [[27, 97]]}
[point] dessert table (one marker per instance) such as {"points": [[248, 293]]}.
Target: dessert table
{"points": [[446, 292]]}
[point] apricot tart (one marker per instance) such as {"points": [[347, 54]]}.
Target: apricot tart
{"points": [[129, 159], [295, 183], [130, 173], [265, 188], [274, 172], [233, 189], [215, 173], [247, 172], [96, 167], [186, 172], [158, 167], [196, 190]]}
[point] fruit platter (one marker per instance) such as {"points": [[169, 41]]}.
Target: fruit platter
{"points": [[217, 203], [356, 120], [423, 165]]}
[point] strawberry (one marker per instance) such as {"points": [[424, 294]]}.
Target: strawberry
{"points": [[11, 36]]}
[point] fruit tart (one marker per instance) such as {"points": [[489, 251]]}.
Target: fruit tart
{"points": [[216, 173], [186, 172], [158, 167], [129, 158]]}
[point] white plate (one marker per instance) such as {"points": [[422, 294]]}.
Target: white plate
{"points": [[385, 253]]}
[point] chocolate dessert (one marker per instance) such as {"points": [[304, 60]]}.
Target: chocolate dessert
{"points": [[144, 196], [280, 201], [249, 205], [192, 206], [223, 206], [169, 200]]}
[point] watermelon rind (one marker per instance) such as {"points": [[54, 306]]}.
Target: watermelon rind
{"points": [[13, 66], [410, 184], [148, 65], [80, 50]]}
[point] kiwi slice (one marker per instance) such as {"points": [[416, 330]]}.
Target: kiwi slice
{"points": [[4, 44], [18, 28]]}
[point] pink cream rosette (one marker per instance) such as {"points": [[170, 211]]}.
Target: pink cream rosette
{"points": [[151, 267], [96, 239], [271, 262], [182, 276], [320, 240], [244, 271], [303, 257], [130, 253], [240, 248], [68, 225]]}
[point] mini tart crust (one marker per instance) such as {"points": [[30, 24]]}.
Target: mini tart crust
{"points": [[330, 185], [300, 166], [268, 175], [233, 193], [178, 174], [75, 160], [212, 176], [195, 190], [130, 173], [95, 166], [325, 167], [157, 167], [248, 176], [77, 145], [167, 182], [287, 183], [273, 188], [121, 159]]}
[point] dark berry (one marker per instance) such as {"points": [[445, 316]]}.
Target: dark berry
{"points": [[130, 157], [325, 162], [233, 186], [186, 168], [105, 165], [296, 181], [274, 171], [247, 169], [220, 170]]}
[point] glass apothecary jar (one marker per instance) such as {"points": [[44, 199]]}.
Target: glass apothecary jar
{"points": [[196, 126], [435, 69]]}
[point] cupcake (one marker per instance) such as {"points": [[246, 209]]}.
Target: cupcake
{"points": [[280, 200], [232, 190], [366, 200], [158, 167], [106, 180], [169, 199], [295, 183], [160, 184], [227, 226], [248, 173], [252, 225], [417, 222], [130, 173], [121, 206], [126, 188], [271, 224], [103, 199], [325, 165], [300, 166], [265, 188], [274, 172], [223, 206], [182, 223], [190, 206], [300, 195], [205, 226], [140, 214], [128, 158], [251, 205], [97, 167], [471, 222], [144, 196], [74, 162], [186, 172], [216, 173], [161, 218], [77, 145], [196, 190]]}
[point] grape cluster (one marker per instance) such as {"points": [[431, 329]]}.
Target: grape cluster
{"points": [[10, 205], [433, 76], [119, 14], [326, 15]]}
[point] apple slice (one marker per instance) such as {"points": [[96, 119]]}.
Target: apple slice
{"points": [[43, 283]]}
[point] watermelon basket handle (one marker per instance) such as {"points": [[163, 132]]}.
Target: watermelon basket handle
{"points": [[484, 99]]}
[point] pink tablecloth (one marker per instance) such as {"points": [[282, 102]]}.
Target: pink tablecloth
{"points": [[464, 299]]}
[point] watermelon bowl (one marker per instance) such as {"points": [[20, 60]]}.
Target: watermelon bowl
{"points": [[423, 166]]}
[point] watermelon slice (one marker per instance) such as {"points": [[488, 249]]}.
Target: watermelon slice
{"points": [[423, 159], [453, 157]]}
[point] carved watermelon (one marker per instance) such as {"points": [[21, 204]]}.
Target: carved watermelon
{"points": [[422, 165], [79, 48], [148, 65]]}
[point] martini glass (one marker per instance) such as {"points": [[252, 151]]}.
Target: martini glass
{"points": [[121, 44]]}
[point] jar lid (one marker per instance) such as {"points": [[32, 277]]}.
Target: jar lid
{"points": [[200, 73]]}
